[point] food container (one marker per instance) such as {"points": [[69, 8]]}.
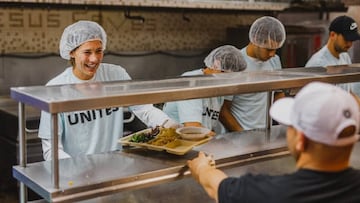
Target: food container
{"points": [[193, 133]]}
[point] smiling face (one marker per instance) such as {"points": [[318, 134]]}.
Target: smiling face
{"points": [[87, 58]]}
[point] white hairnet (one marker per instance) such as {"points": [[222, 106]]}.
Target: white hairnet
{"points": [[267, 32], [78, 33], [225, 57]]}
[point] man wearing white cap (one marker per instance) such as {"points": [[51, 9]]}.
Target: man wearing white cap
{"points": [[83, 44], [248, 111], [323, 125]]}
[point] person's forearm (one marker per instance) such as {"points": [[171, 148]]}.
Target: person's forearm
{"points": [[210, 178], [231, 124], [204, 172], [227, 118], [149, 115], [229, 121]]}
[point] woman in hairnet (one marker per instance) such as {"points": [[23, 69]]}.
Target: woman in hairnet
{"points": [[248, 111], [205, 112], [83, 44]]}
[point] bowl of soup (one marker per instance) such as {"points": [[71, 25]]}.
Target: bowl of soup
{"points": [[193, 133]]}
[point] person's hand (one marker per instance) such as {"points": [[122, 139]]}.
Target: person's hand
{"points": [[199, 164], [171, 124], [211, 134]]}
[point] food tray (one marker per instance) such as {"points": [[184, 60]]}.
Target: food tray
{"points": [[185, 145]]}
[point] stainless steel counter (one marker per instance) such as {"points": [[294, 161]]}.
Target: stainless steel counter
{"points": [[189, 191], [249, 151], [63, 98], [183, 4], [95, 175], [133, 168]]}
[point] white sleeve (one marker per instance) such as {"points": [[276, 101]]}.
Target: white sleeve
{"points": [[46, 147], [152, 116], [229, 97]]}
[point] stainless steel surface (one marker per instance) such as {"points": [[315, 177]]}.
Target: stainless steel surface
{"points": [[189, 191], [185, 4], [132, 168], [22, 149], [54, 152], [63, 98]]}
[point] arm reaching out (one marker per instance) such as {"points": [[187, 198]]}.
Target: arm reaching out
{"points": [[206, 174]]}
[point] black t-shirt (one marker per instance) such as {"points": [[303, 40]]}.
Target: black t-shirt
{"points": [[303, 186]]}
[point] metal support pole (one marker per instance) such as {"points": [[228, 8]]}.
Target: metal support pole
{"points": [[270, 97], [22, 148], [54, 151]]}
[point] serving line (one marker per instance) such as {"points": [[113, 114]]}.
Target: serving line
{"points": [[64, 98], [132, 168]]}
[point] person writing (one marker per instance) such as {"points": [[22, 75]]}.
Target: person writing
{"points": [[83, 44], [248, 111], [322, 127], [205, 112], [343, 31]]}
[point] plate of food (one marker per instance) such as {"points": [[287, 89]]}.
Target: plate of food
{"points": [[162, 139]]}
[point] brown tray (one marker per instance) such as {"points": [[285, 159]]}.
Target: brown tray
{"points": [[185, 146]]}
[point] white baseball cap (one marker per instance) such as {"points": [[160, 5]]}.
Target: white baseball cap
{"points": [[321, 111]]}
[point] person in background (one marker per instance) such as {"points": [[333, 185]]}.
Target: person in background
{"points": [[83, 44], [322, 127], [343, 30], [205, 112], [248, 111]]}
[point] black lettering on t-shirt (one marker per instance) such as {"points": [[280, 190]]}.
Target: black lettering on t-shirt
{"points": [[89, 115], [73, 119], [214, 115], [85, 116]]}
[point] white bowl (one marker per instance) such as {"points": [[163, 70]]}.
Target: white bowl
{"points": [[192, 133]]}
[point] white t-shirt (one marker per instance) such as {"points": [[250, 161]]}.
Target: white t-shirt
{"points": [[205, 111], [323, 58], [93, 131], [250, 109]]}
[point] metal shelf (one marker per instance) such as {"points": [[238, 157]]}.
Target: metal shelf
{"points": [[97, 175], [184, 4], [65, 98], [100, 179]]}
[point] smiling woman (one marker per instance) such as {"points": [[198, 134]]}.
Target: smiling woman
{"points": [[90, 131], [86, 59]]}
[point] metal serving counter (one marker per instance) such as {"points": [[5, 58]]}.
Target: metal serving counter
{"points": [[63, 98], [133, 168], [88, 177]]}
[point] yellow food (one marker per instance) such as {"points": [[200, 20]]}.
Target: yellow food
{"points": [[166, 135], [173, 144]]}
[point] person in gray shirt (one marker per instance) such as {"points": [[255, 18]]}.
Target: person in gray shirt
{"points": [[248, 111], [343, 31]]}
